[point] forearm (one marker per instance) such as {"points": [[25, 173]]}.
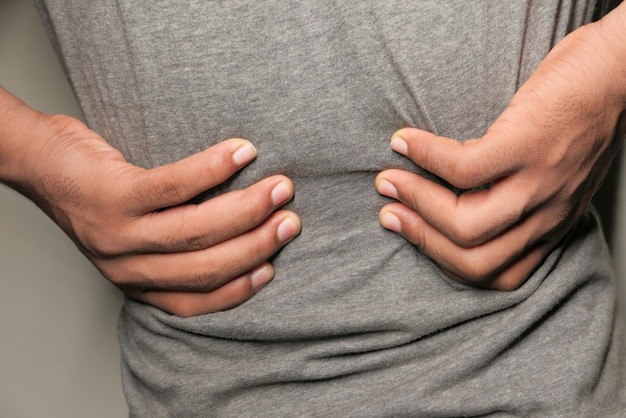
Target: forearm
{"points": [[19, 127], [611, 50]]}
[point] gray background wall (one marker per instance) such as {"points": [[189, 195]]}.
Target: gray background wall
{"points": [[58, 350]]}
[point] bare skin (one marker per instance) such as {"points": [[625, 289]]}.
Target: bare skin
{"points": [[136, 226], [543, 158]]}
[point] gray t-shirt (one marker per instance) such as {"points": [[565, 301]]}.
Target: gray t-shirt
{"points": [[356, 322]]}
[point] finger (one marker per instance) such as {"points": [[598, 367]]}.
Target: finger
{"points": [[514, 274], [466, 165], [178, 182], [227, 296], [192, 227], [207, 269], [468, 220], [476, 264]]}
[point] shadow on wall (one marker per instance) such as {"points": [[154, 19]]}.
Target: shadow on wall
{"points": [[606, 200]]}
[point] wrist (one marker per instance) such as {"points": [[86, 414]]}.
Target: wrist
{"points": [[609, 44], [24, 134], [16, 120]]}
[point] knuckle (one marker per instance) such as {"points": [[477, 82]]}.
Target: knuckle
{"points": [[468, 168], [65, 126], [412, 196], [128, 274], [420, 240], [190, 234], [257, 210], [266, 244], [117, 280], [142, 187], [100, 244], [462, 173], [262, 243], [244, 289], [464, 233], [172, 188], [183, 307], [203, 278], [116, 275], [252, 205], [176, 187], [221, 167], [192, 241], [475, 268], [507, 285]]}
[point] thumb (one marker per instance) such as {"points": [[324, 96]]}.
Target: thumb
{"points": [[469, 164], [178, 182]]}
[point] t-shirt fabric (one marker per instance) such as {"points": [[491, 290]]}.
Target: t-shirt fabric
{"points": [[356, 321]]}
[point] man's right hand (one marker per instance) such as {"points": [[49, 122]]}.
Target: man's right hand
{"points": [[137, 227]]}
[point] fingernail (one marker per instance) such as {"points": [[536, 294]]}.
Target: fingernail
{"points": [[399, 145], [287, 229], [281, 193], [244, 154], [261, 276], [391, 222], [387, 189]]}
